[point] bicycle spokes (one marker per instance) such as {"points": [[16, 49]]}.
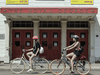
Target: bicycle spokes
{"points": [[57, 67], [59, 63], [83, 67]]}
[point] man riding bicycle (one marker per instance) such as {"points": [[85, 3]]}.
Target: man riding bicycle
{"points": [[35, 52], [76, 52]]}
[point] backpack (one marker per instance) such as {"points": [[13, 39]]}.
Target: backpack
{"points": [[41, 49], [81, 50]]}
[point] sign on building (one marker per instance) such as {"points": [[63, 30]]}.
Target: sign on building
{"points": [[81, 1], [16, 1]]}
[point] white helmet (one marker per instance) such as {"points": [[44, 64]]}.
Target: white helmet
{"points": [[76, 36]]}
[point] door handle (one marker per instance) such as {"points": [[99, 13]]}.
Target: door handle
{"points": [[48, 46], [21, 46], [51, 46]]}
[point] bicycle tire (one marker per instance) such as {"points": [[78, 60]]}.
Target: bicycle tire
{"points": [[53, 66], [42, 67], [14, 63], [86, 64]]}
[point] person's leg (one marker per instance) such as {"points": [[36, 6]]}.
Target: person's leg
{"points": [[74, 56], [31, 60], [68, 55], [28, 54]]}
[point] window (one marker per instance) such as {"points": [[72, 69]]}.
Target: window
{"points": [[17, 35], [22, 24], [44, 35], [28, 43], [78, 24], [55, 35], [28, 35], [17, 43], [83, 43], [83, 35], [44, 43], [55, 43], [71, 42], [50, 24], [71, 35]]}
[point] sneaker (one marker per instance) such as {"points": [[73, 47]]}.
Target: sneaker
{"points": [[72, 72], [30, 70]]}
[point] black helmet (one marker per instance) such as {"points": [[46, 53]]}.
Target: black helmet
{"points": [[76, 37]]}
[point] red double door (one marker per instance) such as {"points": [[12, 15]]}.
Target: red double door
{"points": [[21, 39], [83, 34], [51, 42]]}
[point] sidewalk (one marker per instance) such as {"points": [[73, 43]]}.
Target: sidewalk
{"points": [[7, 66]]}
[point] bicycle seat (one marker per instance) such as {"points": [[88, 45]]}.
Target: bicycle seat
{"points": [[81, 58]]}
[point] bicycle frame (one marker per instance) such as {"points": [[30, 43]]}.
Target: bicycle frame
{"points": [[25, 60], [63, 58]]}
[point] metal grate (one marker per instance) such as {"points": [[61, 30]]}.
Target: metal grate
{"points": [[78, 24], [50, 24], [22, 24]]}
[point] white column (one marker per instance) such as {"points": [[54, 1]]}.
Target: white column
{"points": [[7, 57], [63, 35], [92, 42], [36, 28]]}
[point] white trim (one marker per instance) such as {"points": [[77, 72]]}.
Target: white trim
{"points": [[49, 28], [78, 28], [21, 28]]}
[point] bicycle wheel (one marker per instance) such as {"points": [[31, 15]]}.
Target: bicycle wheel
{"points": [[41, 65], [17, 66], [57, 67], [83, 67]]}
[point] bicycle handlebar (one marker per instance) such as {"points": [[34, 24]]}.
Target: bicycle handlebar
{"points": [[23, 50]]}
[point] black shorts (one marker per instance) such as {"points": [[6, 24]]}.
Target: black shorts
{"points": [[77, 53]]}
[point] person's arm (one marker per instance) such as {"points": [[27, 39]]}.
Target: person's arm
{"points": [[29, 49], [73, 46], [37, 51], [38, 46], [70, 46]]}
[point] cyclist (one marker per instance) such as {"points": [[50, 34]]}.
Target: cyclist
{"points": [[76, 52], [35, 52]]}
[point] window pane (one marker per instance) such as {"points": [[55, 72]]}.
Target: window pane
{"points": [[28, 43], [17, 43], [71, 35], [55, 35], [17, 35], [44, 43], [83, 35], [82, 43], [55, 43], [71, 42], [28, 35], [44, 35]]}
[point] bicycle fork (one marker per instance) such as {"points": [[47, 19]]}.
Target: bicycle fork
{"points": [[59, 63]]}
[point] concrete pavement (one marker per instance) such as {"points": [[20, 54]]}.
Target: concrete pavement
{"points": [[7, 66]]}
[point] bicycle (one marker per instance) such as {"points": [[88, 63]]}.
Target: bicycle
{"points": [[58, 66], [40, 65]]}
